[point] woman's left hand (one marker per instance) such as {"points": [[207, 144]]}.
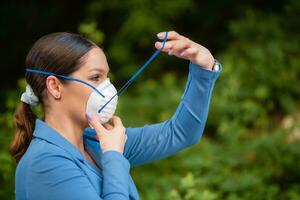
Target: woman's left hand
{"points": [[183, 47]]}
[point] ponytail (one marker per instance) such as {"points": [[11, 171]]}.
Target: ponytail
{"points": [[24, 122]]}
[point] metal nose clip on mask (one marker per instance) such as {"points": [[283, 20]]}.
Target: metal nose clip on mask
{"points": [[104, 98]]}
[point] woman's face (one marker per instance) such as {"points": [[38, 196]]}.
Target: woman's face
{"points": [[75, 95]]}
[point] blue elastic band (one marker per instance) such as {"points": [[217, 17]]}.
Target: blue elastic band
{"points": [[130, 81], [64, 77], [124, 87]]}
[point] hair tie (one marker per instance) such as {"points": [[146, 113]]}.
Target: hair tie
{"points": [[29, 97]]}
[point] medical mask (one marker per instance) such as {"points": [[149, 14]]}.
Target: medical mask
{"points": [[96, 101], [104, 98]]}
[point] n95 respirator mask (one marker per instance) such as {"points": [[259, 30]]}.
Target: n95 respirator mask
{"points": [[103, 106]]}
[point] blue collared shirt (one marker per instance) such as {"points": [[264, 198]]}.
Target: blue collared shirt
{"points": [[53, 168]]}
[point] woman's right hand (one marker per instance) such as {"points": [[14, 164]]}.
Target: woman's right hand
{"points": [[112, 138]]}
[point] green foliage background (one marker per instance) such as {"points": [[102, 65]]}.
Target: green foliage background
{"points": [[250, 148]]}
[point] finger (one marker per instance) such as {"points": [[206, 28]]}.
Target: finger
{"points": [[174, 46], [189, 53], [96, 136], [116, 121], [179, 46], [167, 47], [95, 123], [172, 35], [108, 126]]}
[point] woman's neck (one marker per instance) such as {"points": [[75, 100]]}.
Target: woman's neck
{"points": [[69, 129]]}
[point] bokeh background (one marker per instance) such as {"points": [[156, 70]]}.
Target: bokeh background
{"points": [[250, 148]]}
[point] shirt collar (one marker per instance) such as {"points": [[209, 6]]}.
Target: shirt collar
{"points": [[45, 132]]}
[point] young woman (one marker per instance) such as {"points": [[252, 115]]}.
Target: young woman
{"points": [[59, 158]]}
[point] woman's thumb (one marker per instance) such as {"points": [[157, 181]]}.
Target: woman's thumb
{"points": [[116, 121], [95, 123]]}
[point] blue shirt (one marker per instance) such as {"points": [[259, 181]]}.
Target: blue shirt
{"points": [[53, 168]]}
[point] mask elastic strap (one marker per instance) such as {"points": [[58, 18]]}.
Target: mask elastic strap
{"points": [[130, 81], [64, 77]]}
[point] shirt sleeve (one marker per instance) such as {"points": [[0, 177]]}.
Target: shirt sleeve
{"points": [[156, 141], [60, 178]]}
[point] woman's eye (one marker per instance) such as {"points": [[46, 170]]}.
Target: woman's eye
{"points": [[95, 78]]}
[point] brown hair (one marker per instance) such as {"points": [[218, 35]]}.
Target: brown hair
{"points": [[60, 53]]}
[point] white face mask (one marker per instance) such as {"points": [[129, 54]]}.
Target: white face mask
{"points": [[96, 101]]}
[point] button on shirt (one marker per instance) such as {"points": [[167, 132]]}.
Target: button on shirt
{"points": [[53, 168]]}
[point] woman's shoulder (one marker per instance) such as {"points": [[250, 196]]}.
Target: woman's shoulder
{"points": [[42, 166], [41, 153], [41, 148]]}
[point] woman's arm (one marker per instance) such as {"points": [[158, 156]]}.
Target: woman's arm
{"points": [[156, 141], [153, 142]]}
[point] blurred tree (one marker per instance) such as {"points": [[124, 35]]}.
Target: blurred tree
{"points": [[250, 149]]}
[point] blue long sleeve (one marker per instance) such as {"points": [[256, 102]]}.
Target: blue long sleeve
{"points": [[116, 176], [153, 142]]}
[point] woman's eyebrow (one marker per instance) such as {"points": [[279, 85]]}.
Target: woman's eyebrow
{"points": [[99, 70]]}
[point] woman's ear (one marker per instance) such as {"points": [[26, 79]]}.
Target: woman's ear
{"points": [[54, 87]]}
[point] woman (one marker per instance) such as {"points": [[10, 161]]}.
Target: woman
{"points": [[59, 158]]}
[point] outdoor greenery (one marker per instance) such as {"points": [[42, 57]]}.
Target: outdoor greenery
{"points": [[251, 145]]}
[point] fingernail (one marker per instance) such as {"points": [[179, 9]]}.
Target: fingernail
{"points": [[158, 45], [88, 116], [170, 52], [160, 35]]}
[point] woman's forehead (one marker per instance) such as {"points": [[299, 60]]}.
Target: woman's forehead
{"points": [[95, 60]]}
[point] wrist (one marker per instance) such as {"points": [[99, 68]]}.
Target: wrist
{"points": [[112, 159], [112, 149], [208, 64]]}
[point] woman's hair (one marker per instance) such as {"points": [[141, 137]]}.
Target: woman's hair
{"points": [[61, 53]]}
